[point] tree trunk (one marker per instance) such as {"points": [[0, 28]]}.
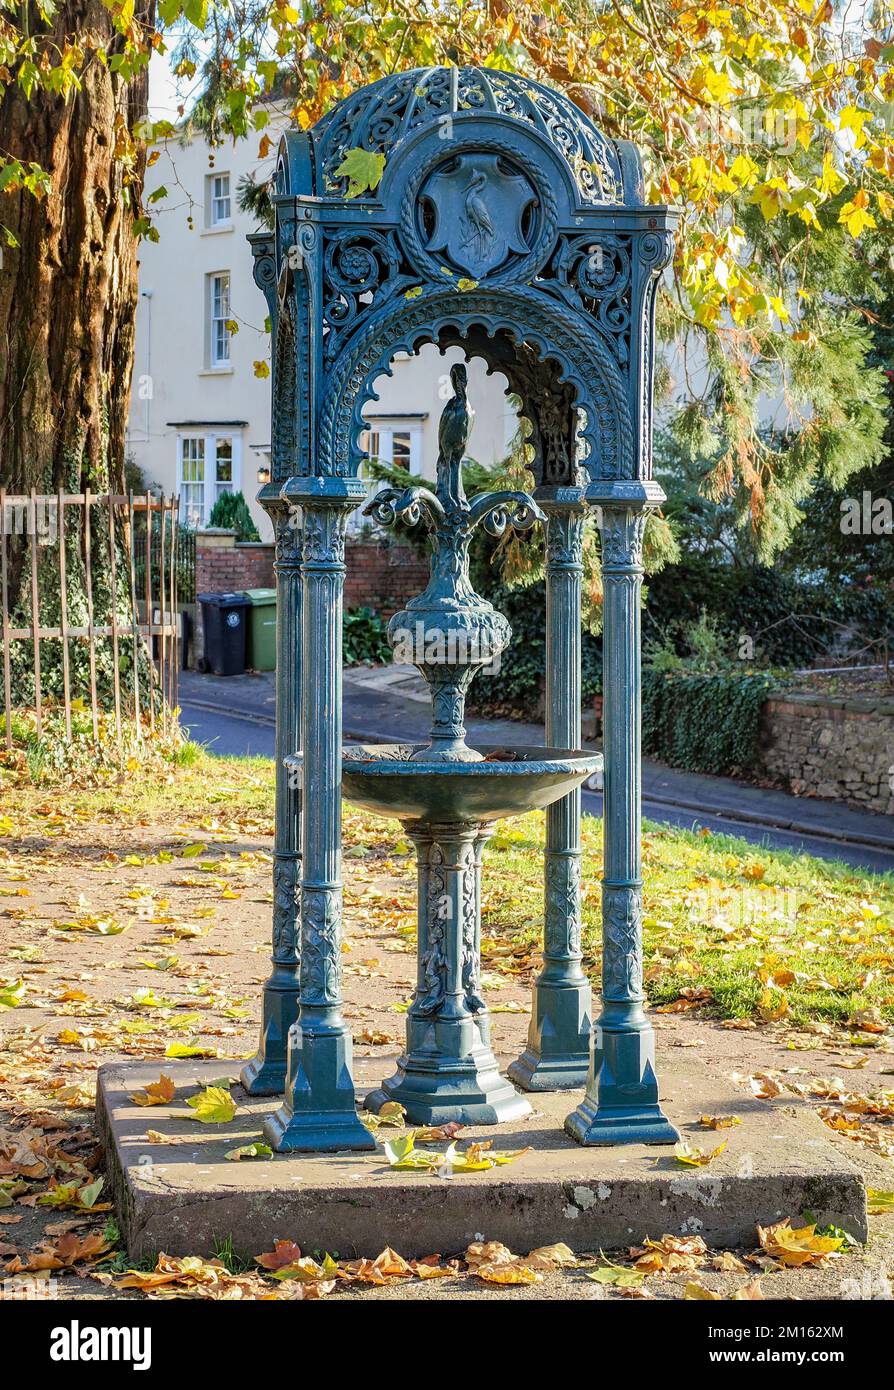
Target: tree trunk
{"points": [[68, 291]]}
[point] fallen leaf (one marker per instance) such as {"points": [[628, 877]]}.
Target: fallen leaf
{"points": [[696, 1290], [692, 1157], [751, 1291], [620, 1276], [284, 1252], [160, 1092], [508, 1274], [796, 1246], [552, 1257], [258, 1149], [213, 1106]]}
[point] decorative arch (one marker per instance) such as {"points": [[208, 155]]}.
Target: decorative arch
{"points": [[527, 318]]}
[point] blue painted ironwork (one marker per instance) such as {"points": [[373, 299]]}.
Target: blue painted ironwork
{"points": [[448, 793], [506, 224], [557, 1056], [265, 1073], [621, 1101]]}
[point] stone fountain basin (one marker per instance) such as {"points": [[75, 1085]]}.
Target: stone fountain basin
{"points": [[507, 782]]}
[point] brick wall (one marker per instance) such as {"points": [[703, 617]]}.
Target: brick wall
{"points": [[382, 576], [223, 563], [842, 749], [379, 575]]}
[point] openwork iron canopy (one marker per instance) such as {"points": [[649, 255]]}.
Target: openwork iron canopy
{"points": [[506, 224]]}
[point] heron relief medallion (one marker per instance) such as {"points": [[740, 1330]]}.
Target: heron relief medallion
{"points": [[478, 211]]}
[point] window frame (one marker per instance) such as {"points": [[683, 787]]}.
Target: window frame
{"points": [[215, 199], [218, 321], [212, 488], [386, 429]]}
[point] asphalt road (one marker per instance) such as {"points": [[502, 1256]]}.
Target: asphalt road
{"points": [[243, 735]]}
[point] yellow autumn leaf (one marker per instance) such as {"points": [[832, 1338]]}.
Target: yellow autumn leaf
{"points": [[853, 118], [855, 215], [797, 1246], [743, 171], [160, 1092], [692, 1157], [771, 197], [831, 181], [508, 1274], [772, 1005], [213, 1106], [696, 1290]]}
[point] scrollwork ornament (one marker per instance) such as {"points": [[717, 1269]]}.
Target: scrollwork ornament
{"points": [[321, 956], [622, 922], [622, 532], [552, 330]]}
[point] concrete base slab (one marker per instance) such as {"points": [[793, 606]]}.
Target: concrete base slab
{"points": [[182, 1196]]}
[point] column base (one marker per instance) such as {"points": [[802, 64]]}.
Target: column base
{"points": [[557, 1057], [262, 1075], [621, 1104], [318, 1114], [265, 1073], [623, 1124], [434, 1088]]}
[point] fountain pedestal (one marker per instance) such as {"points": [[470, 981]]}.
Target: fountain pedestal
{"points": [[448, 1071]]}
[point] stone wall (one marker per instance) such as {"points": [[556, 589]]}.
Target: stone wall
{"points": [[837, 748]]}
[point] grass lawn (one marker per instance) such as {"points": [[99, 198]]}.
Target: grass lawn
{"points": [[732, 929]]}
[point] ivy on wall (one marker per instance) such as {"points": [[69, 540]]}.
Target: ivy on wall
{"points": [[704, 723]]}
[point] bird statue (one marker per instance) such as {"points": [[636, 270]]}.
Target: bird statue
{"points": [[453, 433], [478, 219]]}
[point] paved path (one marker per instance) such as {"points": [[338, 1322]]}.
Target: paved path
{"points": [[234, 715]]}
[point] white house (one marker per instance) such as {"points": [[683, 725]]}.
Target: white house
{"points": [[199, 420]]}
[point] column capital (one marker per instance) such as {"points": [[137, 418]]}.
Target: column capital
{"points": [[557, 499], [625, 494], [621, 533], [317, 493]]}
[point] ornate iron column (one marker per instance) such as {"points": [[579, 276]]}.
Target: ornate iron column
{"points": [[318, 1111], [621, 1102], [558, 1052], [265, 1073]]}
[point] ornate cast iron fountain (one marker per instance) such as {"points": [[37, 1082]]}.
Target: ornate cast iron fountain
{"points": [[507, 225], [447, 795]]}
